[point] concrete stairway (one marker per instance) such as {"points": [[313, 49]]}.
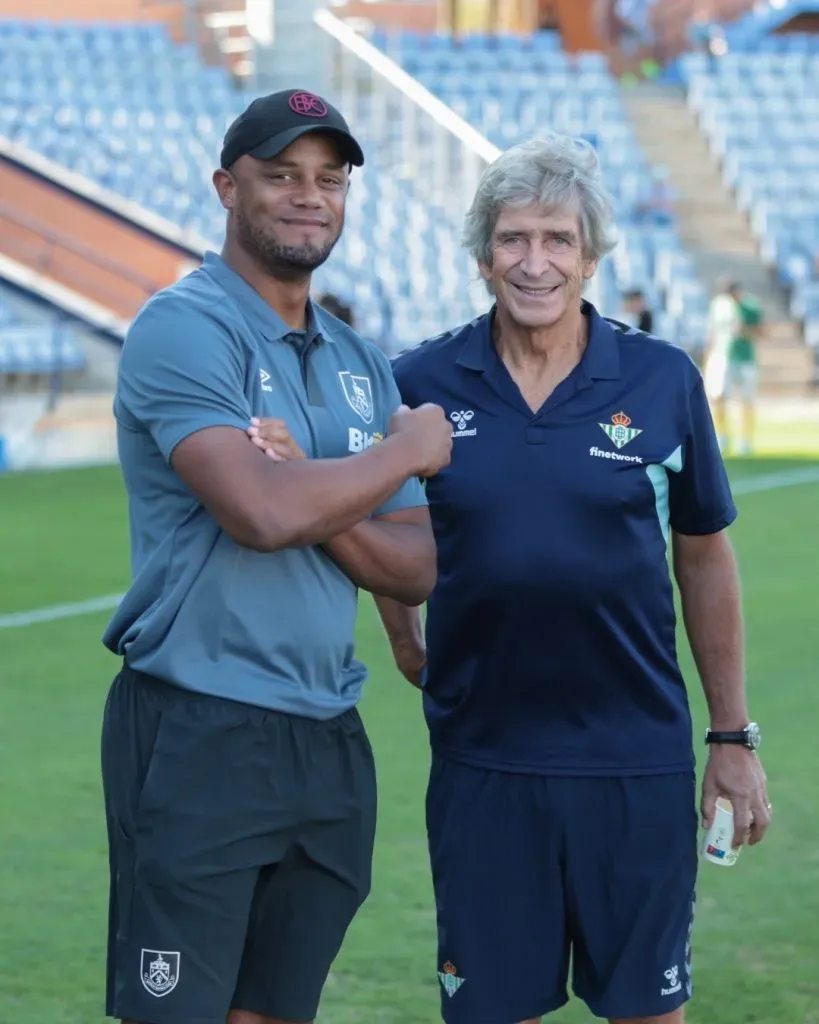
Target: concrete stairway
{"points": [[715, 231]]}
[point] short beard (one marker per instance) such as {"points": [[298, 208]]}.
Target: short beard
{"points": [[285, 262]]}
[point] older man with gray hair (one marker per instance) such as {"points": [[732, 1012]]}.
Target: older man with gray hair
{"points": [[561, 807]]}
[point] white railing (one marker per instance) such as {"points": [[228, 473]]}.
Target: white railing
{"points": [[423, 163], [436, 147]]}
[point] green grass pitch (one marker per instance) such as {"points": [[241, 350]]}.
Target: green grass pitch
{"points": [[63, 538]]}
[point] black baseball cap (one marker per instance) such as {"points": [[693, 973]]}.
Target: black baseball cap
{"points": [[271, 123]]}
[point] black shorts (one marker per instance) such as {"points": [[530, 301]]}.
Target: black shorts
{"points": [[240, 848], [590, 876]]}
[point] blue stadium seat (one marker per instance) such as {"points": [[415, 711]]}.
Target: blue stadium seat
{"points": [[35, 344], [759, 109], [38, 349]]}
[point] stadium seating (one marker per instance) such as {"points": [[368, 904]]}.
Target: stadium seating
{"points": [[509, 89], [122, 106], [759, 110], [126, 107], [35, 345]]}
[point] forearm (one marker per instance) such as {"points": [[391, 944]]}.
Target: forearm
{"points": [[712, 613], [316, 500], [391, 560], [402, 625]]}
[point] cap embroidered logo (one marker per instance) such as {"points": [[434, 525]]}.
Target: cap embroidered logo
{"points": [[308, 105]]}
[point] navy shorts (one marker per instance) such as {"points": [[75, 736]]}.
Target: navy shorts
{"points": [[240, 846], [533, 874]]}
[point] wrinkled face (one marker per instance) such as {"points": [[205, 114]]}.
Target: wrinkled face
{"points": [[288, 212], [538, 267]]}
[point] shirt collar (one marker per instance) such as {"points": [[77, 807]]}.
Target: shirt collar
{"points": [[601, 360], [263, 317]]}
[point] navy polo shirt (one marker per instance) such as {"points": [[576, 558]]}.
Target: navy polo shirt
{"points": [[270, 629], [551, 631]]}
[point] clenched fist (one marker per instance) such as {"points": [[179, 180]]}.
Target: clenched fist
{"points": [[429, 432]]}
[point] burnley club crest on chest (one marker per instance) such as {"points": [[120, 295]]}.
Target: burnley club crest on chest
{"points": [[620, 430], [359, 394]]}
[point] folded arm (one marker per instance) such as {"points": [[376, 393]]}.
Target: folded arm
{"points": [[183, 378], [267, 506], [392, 555]]}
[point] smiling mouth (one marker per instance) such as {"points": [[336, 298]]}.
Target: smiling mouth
{"points": [[536, 293]]}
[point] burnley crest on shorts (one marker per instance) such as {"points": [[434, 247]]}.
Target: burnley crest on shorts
{"points": [[159, 971], [359, 394]]}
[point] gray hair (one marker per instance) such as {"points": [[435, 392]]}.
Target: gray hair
{"points": [[553, 171]]}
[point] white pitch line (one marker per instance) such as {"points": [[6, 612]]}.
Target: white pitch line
{"points": [[60, 611], [747, 485], [775, 481]]}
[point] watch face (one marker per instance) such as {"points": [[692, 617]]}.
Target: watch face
{"points": [[753, 735]]}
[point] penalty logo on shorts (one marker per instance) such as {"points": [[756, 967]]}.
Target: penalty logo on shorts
{"points": [[449, 979], [620, 430], [159, 971]]}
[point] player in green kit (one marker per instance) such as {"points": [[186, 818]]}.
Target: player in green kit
{"points": [[731, 361]]}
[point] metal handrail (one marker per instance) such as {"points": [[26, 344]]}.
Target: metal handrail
{"points": [[56, 240]]}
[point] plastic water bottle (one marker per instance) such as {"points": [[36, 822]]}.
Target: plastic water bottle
{"points": [[717, 844]]}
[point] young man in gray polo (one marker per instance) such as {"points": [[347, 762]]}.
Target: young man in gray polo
{"points": [[239, 785]]}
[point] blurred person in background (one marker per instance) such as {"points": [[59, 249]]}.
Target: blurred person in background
{"points": [[337, 308], [635, 311], [730, 361], [383, 338], [239, 784]]}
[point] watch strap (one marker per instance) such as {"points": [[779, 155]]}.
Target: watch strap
{"points": [[739, 736]]}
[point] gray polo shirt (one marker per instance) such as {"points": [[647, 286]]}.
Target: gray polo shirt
{"points": [[270, 629]]}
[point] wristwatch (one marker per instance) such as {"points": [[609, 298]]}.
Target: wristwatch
{"points": [[749, 737]]}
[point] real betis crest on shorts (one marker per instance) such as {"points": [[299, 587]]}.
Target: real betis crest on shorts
{"points": [[620, 430], [449, 979]]}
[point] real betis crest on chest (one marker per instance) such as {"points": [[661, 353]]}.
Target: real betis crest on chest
{"points": [[620, 430]]}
